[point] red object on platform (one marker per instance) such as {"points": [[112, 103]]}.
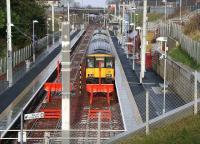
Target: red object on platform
{"points": [[58, 71], [148, 61], [53, 87], [53, 113]]}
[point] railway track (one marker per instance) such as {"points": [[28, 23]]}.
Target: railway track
{"points": [[84, 130], [76, 59]]}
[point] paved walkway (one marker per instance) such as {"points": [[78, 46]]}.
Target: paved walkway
{"points": [[151, 80]]}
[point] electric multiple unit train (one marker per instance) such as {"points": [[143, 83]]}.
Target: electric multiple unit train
{"points": [[99, 59]]}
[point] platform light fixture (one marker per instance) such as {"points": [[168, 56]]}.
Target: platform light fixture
{"points": [[164, 39], [33, 37]]}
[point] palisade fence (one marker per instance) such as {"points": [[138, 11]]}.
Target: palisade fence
{"points": [[26, 53], [187, 44]]}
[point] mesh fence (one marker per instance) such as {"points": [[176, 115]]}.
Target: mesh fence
{"points": [[178, 100], [93, 130], [179, 81], [181, 100]]}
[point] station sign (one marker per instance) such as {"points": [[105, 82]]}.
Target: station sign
{"points": [[34, 116]]}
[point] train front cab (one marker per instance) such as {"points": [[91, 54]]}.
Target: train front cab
{"points": [[99, 79], [100, 66]]}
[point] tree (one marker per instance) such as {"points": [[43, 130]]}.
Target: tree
{"points": [[23, 12], [2, 19]]}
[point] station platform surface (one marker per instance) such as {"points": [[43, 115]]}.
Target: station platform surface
{"points": [[129, 112], [139, 90]]}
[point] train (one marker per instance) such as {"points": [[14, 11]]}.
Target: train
{"points": [[100, 66]]}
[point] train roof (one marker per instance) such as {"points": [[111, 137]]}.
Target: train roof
{"points": [[100, 31], [99, 47], [100, 37], [99, 43]]}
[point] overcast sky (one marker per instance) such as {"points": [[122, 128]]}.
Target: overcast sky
{"points": [[96, 3]]}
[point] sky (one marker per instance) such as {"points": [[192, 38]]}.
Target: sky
{"points": [[95, 3]]}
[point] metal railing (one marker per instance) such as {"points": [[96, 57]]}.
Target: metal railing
{"points": [[182, 98], [95, 134]]}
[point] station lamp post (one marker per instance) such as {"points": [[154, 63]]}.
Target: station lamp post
{"points": [[132, 24], [164, 39], [59, 20], [180, 10], [139, 32], [133, 16], [165, 1], [48, 19], [34, 21], [136, 21], [52, 18]]}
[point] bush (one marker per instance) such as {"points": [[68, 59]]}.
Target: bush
{"points": [[193, 25]]}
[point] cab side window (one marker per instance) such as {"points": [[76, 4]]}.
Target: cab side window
{"points": [[90, 62], [109, 62]]}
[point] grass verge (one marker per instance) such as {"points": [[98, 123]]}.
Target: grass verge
{"points": [[151, 17], [181, 56], [185, 131]]}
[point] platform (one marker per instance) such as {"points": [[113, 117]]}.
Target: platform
{"points": [[17, 98], [20, 70], [138, 90], [130, 113]]}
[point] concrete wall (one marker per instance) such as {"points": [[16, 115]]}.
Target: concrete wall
{"points": [[181, 80]]}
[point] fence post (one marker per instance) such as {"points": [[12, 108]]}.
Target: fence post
{"points": [[5, 65], [24, 53], [195, 93], [99, 129], [147, 112], [22, 124], [14, 59], [46, 137]]}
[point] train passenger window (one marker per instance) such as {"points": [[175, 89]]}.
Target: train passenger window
{"points": [[109, 63], [90, 62]]}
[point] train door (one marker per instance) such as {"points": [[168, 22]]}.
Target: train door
{"points": [[99, 65]]}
